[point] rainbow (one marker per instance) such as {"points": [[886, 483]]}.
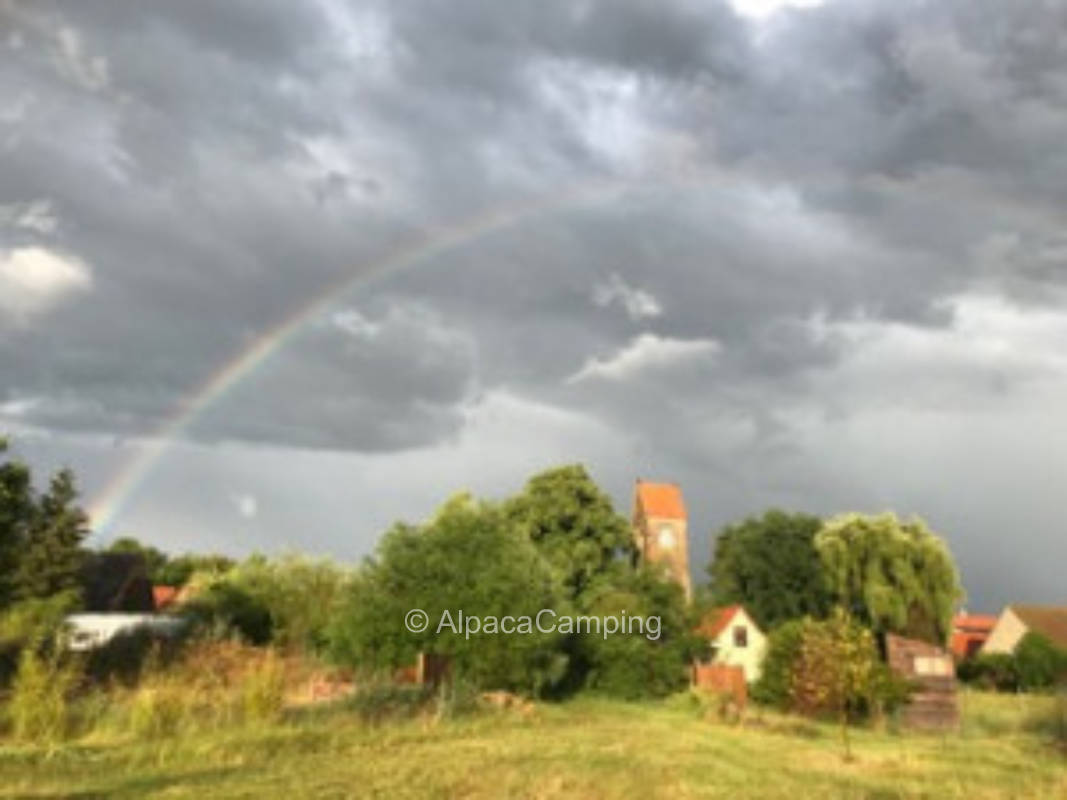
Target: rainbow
{"points": [[116, 496]]}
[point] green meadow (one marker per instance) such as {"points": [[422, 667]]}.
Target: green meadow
{"points": [[1007, 746]]}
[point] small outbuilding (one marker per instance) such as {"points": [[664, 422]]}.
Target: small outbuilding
{"points": [[931, 671]]}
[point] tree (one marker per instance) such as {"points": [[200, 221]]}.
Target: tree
{"points": [[1040, 663], [783, 646], [646, 661], [574, 525], [180, 570], [16, 505], [894, 576], [299, 594], [466, 559], [770, 565], [833, 670], [154, 558], [51, 554]]}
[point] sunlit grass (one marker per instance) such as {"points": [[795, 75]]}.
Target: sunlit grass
{"points": [[586, 748]]}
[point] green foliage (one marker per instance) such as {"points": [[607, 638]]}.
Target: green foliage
{"points": [[224, 609], [1040, 663], [990, 671], [40, 534], [28, 624], [1036, 664], [16, 513], [166, 570], [833, 667], [636, 666], [468, 559], [39, 705], [894, 576], [783, 647], [51, 554], [769, 565], [300, 595], [154, 558], [179, 570], [573, 524]]}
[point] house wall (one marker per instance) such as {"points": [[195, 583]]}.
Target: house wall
{"points": [[1005, 634], [750, 657]]}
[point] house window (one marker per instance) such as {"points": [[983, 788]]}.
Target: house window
{"points": [[740, 636]]}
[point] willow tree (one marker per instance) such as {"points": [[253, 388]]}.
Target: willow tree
{"points": [[893, 575]]}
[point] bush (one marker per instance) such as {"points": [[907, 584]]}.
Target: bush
{"points": [[39, 706], [997, 671], [783, 645], [633, 666], [224, 609], [1036, 664], [1039, 663]]}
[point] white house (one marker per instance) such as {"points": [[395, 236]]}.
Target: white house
{"points": [[88, 631], [735, 640]]}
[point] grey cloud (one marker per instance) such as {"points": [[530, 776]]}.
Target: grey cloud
{"points": [[220, 167]]}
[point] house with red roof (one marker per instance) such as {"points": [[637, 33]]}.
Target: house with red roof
{"points": [[969, 633], [736, 640]]}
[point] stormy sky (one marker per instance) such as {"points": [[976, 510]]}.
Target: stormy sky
{"points": [[801, 255]]}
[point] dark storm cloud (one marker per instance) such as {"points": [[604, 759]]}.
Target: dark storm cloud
{"points": [[803, 202]]}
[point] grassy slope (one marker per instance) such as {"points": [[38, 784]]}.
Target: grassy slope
{"points": [[586, 749]]}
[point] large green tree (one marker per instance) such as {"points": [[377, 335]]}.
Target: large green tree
{"points": [[574, 525], [51, 553], [892, 575], [16, 509], [466, 559], [41, 534], [769, 564]]}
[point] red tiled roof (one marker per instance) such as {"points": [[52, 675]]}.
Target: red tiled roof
{"points": [[974, 623], [716, 620], [661, 500], [163, 596]]}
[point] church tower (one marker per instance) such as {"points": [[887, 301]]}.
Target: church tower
{"points": [[661, 531]]}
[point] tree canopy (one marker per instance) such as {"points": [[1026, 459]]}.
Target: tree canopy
{"points": [[892, 575], [41, 534], [770, 565], [573, 524], [467, 559]]}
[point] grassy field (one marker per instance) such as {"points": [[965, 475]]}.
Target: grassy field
{"points": [[585, 748]]}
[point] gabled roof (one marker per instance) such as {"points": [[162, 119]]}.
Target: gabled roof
{"points": [[660, 500], [716, 620], [1049, 621]]}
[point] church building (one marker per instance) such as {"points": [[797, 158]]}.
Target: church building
{"points": [[661, 532]]}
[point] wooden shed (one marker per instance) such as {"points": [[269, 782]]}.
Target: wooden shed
{"points": [[932, 672]]}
